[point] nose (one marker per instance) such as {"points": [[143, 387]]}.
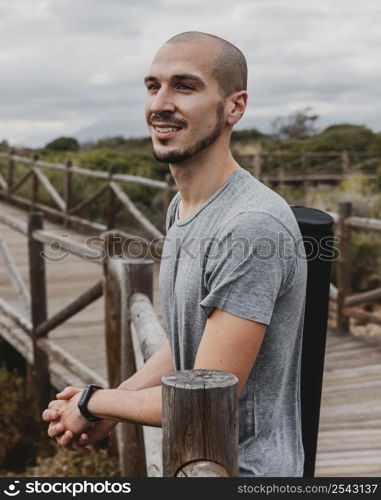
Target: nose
{"points": [[162, 101]]}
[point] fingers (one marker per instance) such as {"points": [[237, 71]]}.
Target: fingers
{"points": [[67, 440], [82, 449], [68, 392], [84, 439], [55, 429], [50, 414]]}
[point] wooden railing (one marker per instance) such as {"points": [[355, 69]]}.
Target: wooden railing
{"points": [[133, 333], [343, 301], [65, 211], [32, 335], [281, 167]]}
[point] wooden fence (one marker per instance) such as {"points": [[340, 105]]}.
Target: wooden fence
{"points": [[65, 211], [344, 303], [134, 333], [285, 167]]}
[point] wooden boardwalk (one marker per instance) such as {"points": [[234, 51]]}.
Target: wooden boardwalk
{"points": [[350, 425]]}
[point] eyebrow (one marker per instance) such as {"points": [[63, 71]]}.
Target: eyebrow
{"points": [[184, 76]]}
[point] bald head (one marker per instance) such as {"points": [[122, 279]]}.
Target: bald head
{"points": [[228, 66]]}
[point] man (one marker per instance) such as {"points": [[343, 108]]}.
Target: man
{"points": [[231, 284]]}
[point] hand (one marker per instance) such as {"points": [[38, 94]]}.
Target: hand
{"points": [[65, 418], [52, 415], [66, 437], [96, 433]]}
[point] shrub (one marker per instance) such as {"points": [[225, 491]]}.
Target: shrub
{"points": [[25, 448], [366, 256], [378, 179], [22, 436], [63, 144], [66, 463], [343, 136]]}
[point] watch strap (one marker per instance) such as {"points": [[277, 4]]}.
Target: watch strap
{"points": [[84, 400]]}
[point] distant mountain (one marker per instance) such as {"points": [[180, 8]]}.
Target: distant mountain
{"points": [[111, 128]]}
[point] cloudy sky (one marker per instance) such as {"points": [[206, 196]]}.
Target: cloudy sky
{"points": [[75, 67]]}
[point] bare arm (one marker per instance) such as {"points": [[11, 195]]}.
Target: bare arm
{"points": [[231, 344], [152, 371], [144, 396], [228, 343], [148, 376]]}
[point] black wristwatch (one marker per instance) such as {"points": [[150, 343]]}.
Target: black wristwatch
{"points": [[84, 399]]}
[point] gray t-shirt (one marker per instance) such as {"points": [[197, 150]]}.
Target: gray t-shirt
{"points": [[242, 252]]}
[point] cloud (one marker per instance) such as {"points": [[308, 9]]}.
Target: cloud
{"points": [[68, 66]]}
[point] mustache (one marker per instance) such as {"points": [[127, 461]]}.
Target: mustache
{"points": [[158, 118]]}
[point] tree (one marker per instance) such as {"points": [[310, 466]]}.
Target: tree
{"points": [[4, 145], [63, 144], [298, 125]]}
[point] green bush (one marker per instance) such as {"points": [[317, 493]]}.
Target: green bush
{"points": [[251, 134], [366, 259], [66, 463], [26, 449], [334, 138], [4, 145], [343, 136], [378, 179], [22, 436], [63, 144]]}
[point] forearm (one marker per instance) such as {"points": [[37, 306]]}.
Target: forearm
{"points": [[142, 406], [153, 370], [149, 376]]}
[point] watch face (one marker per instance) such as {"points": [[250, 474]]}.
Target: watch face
{"points": [[83, 402]]}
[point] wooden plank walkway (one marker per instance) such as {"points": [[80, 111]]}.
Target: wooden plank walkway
{"points": [[350, 425], [349, 442]]}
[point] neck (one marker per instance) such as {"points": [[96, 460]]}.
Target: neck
{"points": [[201, 175]]}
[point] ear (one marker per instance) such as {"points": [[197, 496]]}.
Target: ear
{"points": [[236, 105]]}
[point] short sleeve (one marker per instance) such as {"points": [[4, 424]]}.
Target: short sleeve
{"points": [[248, 267]]}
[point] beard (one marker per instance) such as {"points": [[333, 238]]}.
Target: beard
{"points": [[178, 156]]}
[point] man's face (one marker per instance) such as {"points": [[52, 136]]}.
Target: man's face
{"points": [[184, 109]]}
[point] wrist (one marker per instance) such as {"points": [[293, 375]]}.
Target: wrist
{"points": [[84, 400]]}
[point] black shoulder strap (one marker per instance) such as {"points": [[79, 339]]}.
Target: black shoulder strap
{"points": [[317, 232]]}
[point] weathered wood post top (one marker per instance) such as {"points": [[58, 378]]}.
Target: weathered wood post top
{"points": [[200, 423]]}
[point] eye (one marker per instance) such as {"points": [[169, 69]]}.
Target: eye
{"points": [[184, 86], [152, 86]]}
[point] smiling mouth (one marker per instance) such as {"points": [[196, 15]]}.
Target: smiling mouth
{"points": [[165, 131]]}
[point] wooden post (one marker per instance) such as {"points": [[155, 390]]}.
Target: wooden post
{"points": [[10, 171], [344, 265], [124, 277], [140, 276], [40, 368], [34, 182], [111, 200], [68, 190], [305, 170], [345, 162], [112, 312], [281, 179], [200, 420], [136, 276]]}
